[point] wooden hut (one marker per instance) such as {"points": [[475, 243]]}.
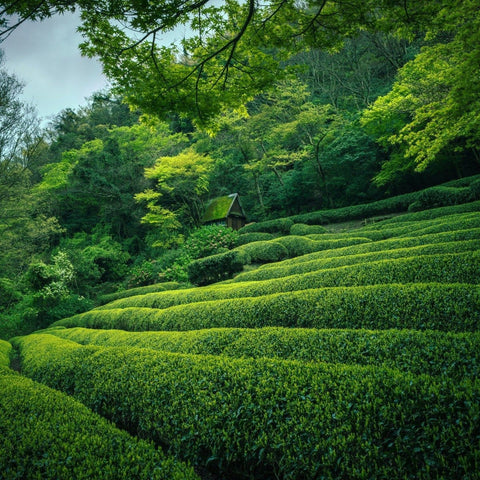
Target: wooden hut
{"points": [[226, 211]]}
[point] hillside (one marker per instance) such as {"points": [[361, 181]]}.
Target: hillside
{"points": [[355, 356]]}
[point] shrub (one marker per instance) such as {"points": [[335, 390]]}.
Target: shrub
{"points": [[280, 225], [253, 237], [387, 244], [48, 435], [297, 246], [209, 240], [442, 196], [265, 418], [5, 349], [263, 251], [157, 287], [216, 267], [432, 214], [9, 295], [303, 229], [430, 352], [417, 306], [281, 270]]}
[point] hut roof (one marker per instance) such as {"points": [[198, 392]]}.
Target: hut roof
{"points": [[219, 208]]}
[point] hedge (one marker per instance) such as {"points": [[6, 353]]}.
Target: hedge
{"points": [[280, 225], [223, 265], [48, 435], [297, 245], [254, 237], [454, 355], [158, 287], [267, 418], [304, 229], [454, 308], [216, 267], [281, 270], [441, 196], [397, 204], [5, 349], [263, 251], [387, 244], [446, 268], [434, 213]]}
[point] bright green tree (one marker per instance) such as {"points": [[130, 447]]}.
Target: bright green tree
{"points": [[433, 109], [176, 201]]}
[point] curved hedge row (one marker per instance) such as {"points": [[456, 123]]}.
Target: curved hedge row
{"points": [[390, 205], [415, 228], [445, 307], [215, 268], [281, 270], [304, 229], [446, 268], [432, 214], [268, 418], [5, 349], [297, 245], [48, 435], [253, 237], [158, 287], [454, 355], [387, 244]]}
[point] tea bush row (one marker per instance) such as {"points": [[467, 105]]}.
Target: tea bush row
{"points": [[432, 214], [384, 245], [304, 229], [424, 227], [5, 349], [223, 265], [453, 308], [158, 287], [280, 270], [253, 237], [266, 418], [322, 217], [48, 435], [454, 355], [396, 204], [445, 268]]}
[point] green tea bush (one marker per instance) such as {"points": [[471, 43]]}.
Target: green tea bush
{"points": [[268, 418], [48, 435], [263, 251], [216, 267], [297, 245], [387, 244], [445, 268], [303, 229], [253, 237], [442, 196], [280, 270], [396, 204], [280, 225], [209, 240], [454, 355], [444, 307], [5, 349], [157, 287], [432, 214]]}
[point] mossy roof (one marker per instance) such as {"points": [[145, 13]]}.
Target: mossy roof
{"points": [[219, 208]]}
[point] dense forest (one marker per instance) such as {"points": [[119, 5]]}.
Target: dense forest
{"points": [[335, 334], [111, 194]]}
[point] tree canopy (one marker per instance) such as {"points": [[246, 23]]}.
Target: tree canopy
{"points": [[228, 50]]}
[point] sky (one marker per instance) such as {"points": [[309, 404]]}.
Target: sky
{"points": [[46, 58]]}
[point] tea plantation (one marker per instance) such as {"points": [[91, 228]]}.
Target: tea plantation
{"points": [[328, 355]]}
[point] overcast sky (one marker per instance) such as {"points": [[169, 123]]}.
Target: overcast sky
{"points": [[45, 56]]}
